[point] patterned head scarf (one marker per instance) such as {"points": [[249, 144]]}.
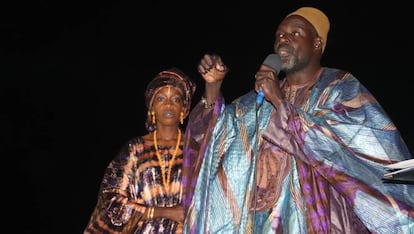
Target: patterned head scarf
{"points": [[318, 19], [173, 77]]}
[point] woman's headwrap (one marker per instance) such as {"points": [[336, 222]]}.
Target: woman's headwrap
{"points": [[173, 77]]}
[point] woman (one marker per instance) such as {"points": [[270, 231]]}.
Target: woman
{"points": [[141, 191]]}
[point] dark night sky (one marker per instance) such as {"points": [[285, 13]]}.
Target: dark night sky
{"points": [[74, 73]]}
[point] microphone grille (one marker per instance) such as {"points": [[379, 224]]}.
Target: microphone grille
{"points": [[273, 61]]}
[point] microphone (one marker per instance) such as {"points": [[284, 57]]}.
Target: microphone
{"points": [[272, 61]]}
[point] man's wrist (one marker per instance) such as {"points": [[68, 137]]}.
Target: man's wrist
{"points": [[207, 105]]}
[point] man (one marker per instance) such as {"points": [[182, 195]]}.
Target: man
{"points": [[309, 159]]}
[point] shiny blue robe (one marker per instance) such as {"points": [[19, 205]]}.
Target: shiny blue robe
{"points": [[318, 162]]}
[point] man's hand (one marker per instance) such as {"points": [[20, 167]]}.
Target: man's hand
{"points": [[212, 68]]}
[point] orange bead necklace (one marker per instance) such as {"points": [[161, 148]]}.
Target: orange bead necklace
{"points": [[166, 178]]}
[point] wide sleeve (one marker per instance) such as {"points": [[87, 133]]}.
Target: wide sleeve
{"points": [[117, 206], [200, 126], [343, 125]]}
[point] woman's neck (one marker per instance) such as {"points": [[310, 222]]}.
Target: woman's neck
{"points": [[167, 134]]}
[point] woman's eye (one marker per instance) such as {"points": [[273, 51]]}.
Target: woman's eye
{"points": [[177, 99], [160, 98]]}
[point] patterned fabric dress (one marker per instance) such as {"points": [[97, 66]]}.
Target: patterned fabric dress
{"points": [[134, 175], [318, 162]]}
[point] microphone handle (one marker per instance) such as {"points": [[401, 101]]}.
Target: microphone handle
{"points": [[260, 97]]}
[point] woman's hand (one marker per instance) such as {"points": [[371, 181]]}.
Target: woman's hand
{"points": [[175, 213]]}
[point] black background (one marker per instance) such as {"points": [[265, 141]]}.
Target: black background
{"points": [[74, 73]]}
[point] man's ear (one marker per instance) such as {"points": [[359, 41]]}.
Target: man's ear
{"points": [[318, 43]]}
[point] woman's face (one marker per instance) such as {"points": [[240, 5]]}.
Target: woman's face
{"points": [[168, 104]]}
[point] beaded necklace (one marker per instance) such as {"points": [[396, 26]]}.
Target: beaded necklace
{"points": [[166, 180]]}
